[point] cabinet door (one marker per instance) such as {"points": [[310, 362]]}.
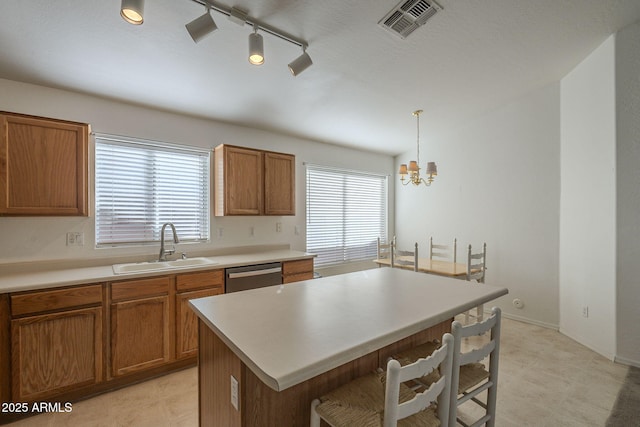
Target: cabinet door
{"points": [[53, 353], [43, 166], [187, 322], [279, 184], [140, 324], [238, 181], [139, 334]]}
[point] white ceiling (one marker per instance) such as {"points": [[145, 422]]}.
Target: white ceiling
{"points": [[363, 86]]}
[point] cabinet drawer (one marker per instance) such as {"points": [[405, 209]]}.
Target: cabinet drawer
{"points": [[205, 279], [142, 288], [58, 299], [296, 267]]}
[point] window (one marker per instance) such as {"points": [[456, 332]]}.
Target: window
{"points": [[140, 185], [346, 213]]}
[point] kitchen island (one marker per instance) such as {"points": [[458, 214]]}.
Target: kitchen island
{"points": [[265, 354]]}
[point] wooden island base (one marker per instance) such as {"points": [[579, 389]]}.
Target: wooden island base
{"points": [[258, 404]]}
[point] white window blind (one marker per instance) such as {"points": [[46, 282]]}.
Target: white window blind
{"points": [[346, 213], [140, 185]]}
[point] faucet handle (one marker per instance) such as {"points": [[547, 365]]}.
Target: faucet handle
{"points": [[184, 255]]}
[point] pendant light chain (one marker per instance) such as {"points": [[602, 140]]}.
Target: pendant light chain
{"points": [[417, 113]]}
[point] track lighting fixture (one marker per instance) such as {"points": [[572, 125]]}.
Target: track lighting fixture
{"points": [[256, 48], [301, 63], [132, 11], [202, 26]]}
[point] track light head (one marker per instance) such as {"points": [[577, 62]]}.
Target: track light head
{"points": [[132, 11], [202, 26], [256, 48], [301, 63]]}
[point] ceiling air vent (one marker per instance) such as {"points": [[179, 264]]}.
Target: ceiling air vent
{"points": [[408, 15]]}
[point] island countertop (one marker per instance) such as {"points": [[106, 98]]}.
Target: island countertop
{"points": [[290, 333]]}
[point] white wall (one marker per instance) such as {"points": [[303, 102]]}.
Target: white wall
{"points": [[588, 202], [627, 66], [497, 183], [31, 239]]}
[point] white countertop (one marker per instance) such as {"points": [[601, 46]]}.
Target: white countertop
{"points": [[290, 333], [47, 277]]}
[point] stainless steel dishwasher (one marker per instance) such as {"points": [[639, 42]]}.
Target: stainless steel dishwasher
{"points": [[252, 277]]}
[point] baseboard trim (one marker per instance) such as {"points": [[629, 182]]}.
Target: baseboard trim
{"points": [[628, 362], [530, 321]]}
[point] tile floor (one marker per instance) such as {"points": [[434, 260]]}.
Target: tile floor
{"points": [[545, 379]]}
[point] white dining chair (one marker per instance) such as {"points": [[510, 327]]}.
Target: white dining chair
{"points": [[386, 250], [476, 269], [406, 259], [471, 374], [382, 399], [443, 252]]}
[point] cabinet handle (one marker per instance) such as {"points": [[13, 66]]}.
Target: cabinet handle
{"points": [[255, 273]]}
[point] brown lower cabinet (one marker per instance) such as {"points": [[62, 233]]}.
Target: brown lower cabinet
{"points": [[190, 286], [57, 352], [140, 324], [67, 343], [57, 341], [295, 271]]}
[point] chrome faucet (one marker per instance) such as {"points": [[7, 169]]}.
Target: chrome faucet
{"points": [[164, 252]]}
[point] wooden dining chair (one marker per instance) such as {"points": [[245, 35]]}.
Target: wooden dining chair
{"points": [[443, 252], [386, 250], [406, 259], [476, 268], [382, 399]]}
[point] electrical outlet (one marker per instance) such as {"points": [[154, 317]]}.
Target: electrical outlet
{"points": [[75, 238], [585, 311], [252, 231], [234, 392], [278, 227], [220, 232]]}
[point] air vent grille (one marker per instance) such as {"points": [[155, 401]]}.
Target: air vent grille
{"points": [[407, 16]]}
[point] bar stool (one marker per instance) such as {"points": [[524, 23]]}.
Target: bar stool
{"points": [[382, 399], [470, 376]]}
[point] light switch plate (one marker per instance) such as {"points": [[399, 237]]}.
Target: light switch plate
{"points": [[75, 238]]}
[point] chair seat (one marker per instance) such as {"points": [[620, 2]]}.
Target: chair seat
{"points": [[360, 403], [471, 375]]}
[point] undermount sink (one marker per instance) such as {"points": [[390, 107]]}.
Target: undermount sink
{"points": [[136, 267]]}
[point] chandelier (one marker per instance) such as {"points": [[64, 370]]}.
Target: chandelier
{"points": [[414, 169]]}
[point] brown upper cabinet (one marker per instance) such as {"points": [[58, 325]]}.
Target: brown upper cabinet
{"points": [[279, 184], [43, 166], [253, 182]]}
